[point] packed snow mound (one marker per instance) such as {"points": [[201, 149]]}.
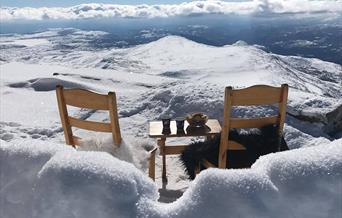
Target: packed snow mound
{"points": [[299, 183], [131, 152], [44, 179], [20, 162], [91, 184], [46, 84], [53, 181]]}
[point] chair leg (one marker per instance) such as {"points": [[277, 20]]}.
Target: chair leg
{"points": [[161, 144], [198, 169], [152, 164]]}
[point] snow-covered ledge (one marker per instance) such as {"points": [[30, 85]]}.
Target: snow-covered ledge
{"points": [[44, 179]]}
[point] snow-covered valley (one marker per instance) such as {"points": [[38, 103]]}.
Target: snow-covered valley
{"points": [[171, 76]]}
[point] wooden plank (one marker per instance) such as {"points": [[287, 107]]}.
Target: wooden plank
{"points": [[114, 119], [256, 95], [253, 122], [207, 164], [282, 107], [63, 112], [173, 149], [152, 164], [222, 158], [197, 169], [90, 125], [85, 99], [233, 145], [77, 140]]}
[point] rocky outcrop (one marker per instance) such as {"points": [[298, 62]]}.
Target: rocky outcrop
{"points": [[334, 121]]}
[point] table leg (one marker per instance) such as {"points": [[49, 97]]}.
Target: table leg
{"points": [[161, 143]]}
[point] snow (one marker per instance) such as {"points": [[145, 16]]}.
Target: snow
{"points": [[91, 184], [53, 181], [135, 152], [289, 184], [171, 76], [20, 163], [31, 42]]}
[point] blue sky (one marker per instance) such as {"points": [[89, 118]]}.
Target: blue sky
{"points": [[65, 3]]}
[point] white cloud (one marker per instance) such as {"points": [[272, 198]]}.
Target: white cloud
{"points": [[95, 10]]}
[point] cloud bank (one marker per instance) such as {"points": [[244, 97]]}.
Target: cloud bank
{"points": [[97, 10]]}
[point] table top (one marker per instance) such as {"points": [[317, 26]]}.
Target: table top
{"points": [[212, 127]]}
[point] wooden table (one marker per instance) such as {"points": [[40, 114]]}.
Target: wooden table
{"points": [[212, 128]]}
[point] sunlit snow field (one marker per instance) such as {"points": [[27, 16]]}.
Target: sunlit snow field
{"points": [[170, 76]]}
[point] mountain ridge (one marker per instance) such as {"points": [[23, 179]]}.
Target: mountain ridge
{"points": [[315, 84]]}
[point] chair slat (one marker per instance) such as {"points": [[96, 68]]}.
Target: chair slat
{"points": [[207, 164], [173, 149], [252, 122], [76, 140], [233, 145], [85, 99], [256, 95], [90, 125]]}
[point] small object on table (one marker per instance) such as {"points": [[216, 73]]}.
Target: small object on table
{"points": [[166, 131], [180, 123], [197, 130], [197, 119], [180, 132], [166, 122]]}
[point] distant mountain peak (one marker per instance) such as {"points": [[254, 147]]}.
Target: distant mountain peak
{"points": [[175, 40], [240, 43]]}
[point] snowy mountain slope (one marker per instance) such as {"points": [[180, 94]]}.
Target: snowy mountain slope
{"points": [[171, 76], [315, 93]]}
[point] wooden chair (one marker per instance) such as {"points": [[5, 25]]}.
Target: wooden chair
{"points": [[86, 99], [254, 95]]}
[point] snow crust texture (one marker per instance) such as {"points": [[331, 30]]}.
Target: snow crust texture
{"points": [[40, 179], [54, 181]]}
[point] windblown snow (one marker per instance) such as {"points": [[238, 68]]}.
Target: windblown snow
{"points": [[42, 177]]}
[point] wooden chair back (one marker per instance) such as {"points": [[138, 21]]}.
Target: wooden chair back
{"points": [[86, 99], [254, 95]]}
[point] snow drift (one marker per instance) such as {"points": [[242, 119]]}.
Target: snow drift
{"points": [[45, 84], [20, 163], [90, 184], [37, 183], [64, 183]]}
